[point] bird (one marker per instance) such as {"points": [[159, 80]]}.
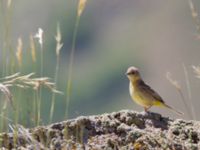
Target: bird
{"points": [[143, 94]]}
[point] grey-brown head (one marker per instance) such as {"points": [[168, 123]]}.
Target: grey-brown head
{"points": [[133, 73]]}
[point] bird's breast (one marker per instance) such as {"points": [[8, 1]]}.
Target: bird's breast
{"points": [[138, 96], [131, 89]]}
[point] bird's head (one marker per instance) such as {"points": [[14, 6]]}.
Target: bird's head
{"points": [[133, 74]]}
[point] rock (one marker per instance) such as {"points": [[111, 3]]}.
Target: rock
{"points": [[124, 130]]}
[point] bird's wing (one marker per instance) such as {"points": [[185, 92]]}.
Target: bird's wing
{"points": [[148, 91]]}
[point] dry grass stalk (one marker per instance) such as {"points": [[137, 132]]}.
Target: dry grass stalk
{"points": [[192, 8], [59, 46], [178, 87], [19, 51], [39, 36], [189, 91], [81, 7], [173, 82], [9, 2], [5, 90], [58, 39], [27, 81], [25, 134], [194, 16], [196, 71], [33, 51]]}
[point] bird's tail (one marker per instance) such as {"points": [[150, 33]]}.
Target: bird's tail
{"points": [[174, 110]]}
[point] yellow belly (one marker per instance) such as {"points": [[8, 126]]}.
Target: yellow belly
{"points": [[139, 98]]}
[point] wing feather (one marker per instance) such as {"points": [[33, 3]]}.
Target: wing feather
{"points": [[149, 92]]}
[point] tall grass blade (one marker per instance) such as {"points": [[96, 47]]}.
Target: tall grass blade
{"points": [[178, 88], [189, 92], [81, 7]]}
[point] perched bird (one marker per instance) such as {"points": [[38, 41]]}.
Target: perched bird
{"points": [[143, 94]]}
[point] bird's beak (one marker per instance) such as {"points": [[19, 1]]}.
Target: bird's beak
{"points": [[127, 73]]}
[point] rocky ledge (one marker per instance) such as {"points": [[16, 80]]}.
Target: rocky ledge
{"points": [[124, 130]]}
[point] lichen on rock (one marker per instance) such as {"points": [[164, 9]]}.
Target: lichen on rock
{"points": [[118, 130]]}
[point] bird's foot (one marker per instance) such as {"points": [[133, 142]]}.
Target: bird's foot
{"points": [[146, 112]]}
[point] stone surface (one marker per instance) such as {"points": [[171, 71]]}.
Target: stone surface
{"points": [[124, 130]]}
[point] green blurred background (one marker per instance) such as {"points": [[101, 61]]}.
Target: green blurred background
{"points": [[156, 36]]}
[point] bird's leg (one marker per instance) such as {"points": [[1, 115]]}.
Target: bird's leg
{"points": [[146, 109]]}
